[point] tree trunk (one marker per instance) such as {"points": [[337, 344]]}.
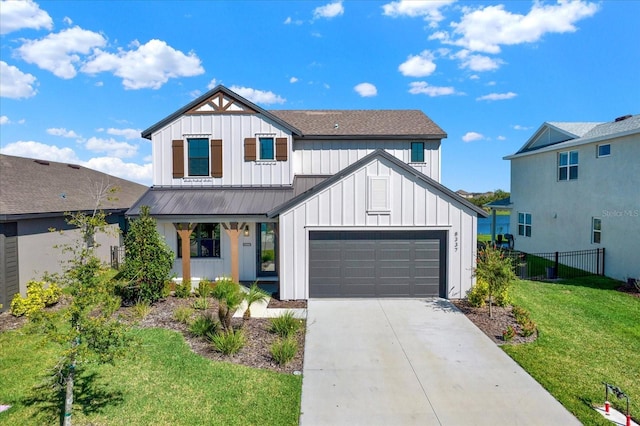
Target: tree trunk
{"points": [[490, 307], [68, 400]]}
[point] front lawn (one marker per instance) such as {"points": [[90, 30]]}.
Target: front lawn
{"points": [[589, 333], [160, 382]]}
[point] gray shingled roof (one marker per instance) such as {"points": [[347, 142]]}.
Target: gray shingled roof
{"points": [[575, 128], [29, 186], [380, 123], [166, 201]]}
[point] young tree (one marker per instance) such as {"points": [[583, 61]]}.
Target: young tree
{"points": [[90, 332], [496, 269], [147, 262]]}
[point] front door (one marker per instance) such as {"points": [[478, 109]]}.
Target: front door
{"points": [[267, 249]]}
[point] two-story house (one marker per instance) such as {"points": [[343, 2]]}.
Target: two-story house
{"points": [[576, 186], [326, 203]]}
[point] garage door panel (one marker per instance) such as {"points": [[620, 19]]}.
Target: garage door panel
{"points": [[377, 263]]}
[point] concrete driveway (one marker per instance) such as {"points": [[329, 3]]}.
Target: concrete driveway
{"points": [[413, 362]]}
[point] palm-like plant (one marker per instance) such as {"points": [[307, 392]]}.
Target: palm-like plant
{"points": [[255, 294], [229, 297]]}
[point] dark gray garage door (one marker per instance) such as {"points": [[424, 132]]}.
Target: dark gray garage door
{"points": [[377, 263]]}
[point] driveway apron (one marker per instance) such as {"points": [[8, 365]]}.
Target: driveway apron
{"points": [[413, 362]]}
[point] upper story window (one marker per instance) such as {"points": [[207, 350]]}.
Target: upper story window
{"points": [[198, 150], [524, 224], [568, 165], [604, 150], [417, 152], [205, 241], [596, 230], [267, 150]]}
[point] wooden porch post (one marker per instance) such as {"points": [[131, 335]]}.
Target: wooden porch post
{"points": [[233, 231], [185, 230]]}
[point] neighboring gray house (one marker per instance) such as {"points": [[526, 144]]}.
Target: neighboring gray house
{"points": [[34, 196], [325, 203], [576, 186]]}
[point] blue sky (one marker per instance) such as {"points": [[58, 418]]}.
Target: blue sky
{"points": [[79, 80]]}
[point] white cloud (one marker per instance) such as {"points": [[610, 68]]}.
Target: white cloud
{"points": [[429, 9], [293, 80], [67, 20], [195, 93], [14, 83], [423, 88], [16, 15], [126, 133], [420, 65], [472, 136], [147, 66], [60, 131], [58, 52], [478, 63], [140, 173], [474, 77], [258, 96], [111, 147], [31, 149], [290, 21], [497, 96], [502, 138], [4, 120], [328, 11], [366, 90], [519, 127], [213, 83], [487, 28]]}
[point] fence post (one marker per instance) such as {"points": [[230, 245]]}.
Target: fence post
{"points": [[602, 261], [555, 266]]}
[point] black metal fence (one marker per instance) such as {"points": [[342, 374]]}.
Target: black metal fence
{"points": [[117, 256], [567, 264]]}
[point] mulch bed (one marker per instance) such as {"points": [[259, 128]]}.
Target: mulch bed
{"points": [[629, 289], [256, 352], [494, 326], [287, 304]]}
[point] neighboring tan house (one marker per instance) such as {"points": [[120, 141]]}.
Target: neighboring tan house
{"points": [[325, 203], [576, 186], [34, 196]]}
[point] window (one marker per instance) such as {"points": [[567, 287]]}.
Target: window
{"points": [[205, 241], [198, 157], [524, 224], [568, 165], [596, 228], [266, 148], [604, 150], [417, 152]]}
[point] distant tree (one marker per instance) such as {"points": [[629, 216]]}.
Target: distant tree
{"points": [[147, 261], [482, 199]]}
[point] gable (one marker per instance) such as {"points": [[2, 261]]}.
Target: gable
{"points": [[221, 103], [546, 135]]}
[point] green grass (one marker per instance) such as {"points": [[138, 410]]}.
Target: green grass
{"points": [[588, 334], [160, 382]]}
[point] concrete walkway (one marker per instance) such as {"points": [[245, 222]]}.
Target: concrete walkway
{"points": [[413, 362]]}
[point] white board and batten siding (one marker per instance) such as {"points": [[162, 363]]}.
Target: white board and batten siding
{"points": [[232, 129], [413, 205], [328, 157]]}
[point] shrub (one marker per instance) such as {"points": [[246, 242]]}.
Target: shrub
{"points": [[204, 288], [509, 333], [183, 314], [147, 262], [496, 270], [201, 304], [255, 294], [502, 297], [204, 325], [37, 298], [183, 289], [141, 309], [527, 328], [284, 350], [285, 325], [229, 342], [478, 294], [229, 296]]}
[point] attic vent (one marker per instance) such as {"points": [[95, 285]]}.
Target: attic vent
{"points": [[73, 166], [624, 117], [44, 163]]}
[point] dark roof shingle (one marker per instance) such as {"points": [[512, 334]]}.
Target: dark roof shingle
{"points": [[29, 186]]}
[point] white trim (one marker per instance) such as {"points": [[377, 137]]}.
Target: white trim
{"points": [[598, 155], [186, 138], [265, 160], [378, 199]]}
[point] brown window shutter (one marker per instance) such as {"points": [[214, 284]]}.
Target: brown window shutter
{"points": [[177, 147], [281, 149], [250, 149], [216, 158]]}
